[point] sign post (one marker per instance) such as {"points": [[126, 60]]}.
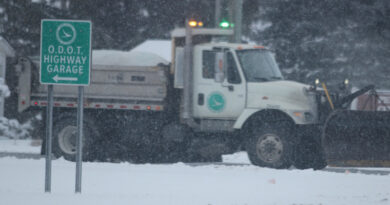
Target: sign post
{"points": [[65, 60], [49, 128], [79, 143]]}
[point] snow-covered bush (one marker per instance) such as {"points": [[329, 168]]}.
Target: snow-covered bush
{"points": [[11, 128], [4, 91]]}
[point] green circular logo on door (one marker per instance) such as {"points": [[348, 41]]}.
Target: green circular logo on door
{"points": [[216, 102]]}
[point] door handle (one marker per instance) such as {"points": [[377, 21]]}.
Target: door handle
{"points": [[229, 86], [200, 99]]}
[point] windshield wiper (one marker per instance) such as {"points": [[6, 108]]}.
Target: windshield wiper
{"points": [[261, 78], [276, 78]]}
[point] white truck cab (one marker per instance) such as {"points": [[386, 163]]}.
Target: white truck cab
{"points": [[234, 81]]}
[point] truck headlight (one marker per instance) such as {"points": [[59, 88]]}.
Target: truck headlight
{"points": [[309, 117]]}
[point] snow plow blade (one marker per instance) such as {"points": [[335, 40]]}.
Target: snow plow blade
{"points": [[357, 138]]}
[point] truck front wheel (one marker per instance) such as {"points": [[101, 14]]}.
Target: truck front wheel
{"points": [[270, 145]]}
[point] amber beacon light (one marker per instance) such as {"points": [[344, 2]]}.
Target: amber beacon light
{"points": [[193, 23]]}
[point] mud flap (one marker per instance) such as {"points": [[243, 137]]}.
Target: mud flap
{"points": [[357, 138]]}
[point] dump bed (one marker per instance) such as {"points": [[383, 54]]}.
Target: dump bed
{"points": [[116, 83]]}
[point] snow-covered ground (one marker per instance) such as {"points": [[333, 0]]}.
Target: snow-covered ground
{"points": [[19, 145], [22, 182]]}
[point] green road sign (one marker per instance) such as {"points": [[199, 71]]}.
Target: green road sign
{"points": [[65, 52]]}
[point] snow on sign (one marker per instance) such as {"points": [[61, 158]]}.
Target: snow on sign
{"points": [[65, 52]]}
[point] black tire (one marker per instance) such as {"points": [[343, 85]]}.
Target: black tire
{"points": [[271, 145], [65, 135]]}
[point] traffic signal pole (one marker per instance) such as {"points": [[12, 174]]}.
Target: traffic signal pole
{"points": [[237, 14], [217, 12], [228, 14]]}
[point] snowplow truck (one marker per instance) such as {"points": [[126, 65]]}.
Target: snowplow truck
{"points": [[213, 98]]}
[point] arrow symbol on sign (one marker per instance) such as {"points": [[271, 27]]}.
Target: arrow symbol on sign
{"points": [[57, 78]]}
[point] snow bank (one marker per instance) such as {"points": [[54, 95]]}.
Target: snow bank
{"points": [[239, 157], [22, 182], [123, 58], [19, 146]]}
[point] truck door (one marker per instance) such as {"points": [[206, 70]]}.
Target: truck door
{"points": [[219, 85]]}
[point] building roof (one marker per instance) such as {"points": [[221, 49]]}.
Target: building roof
{"points": [[6, 48], [161, 48], [126, 58]]}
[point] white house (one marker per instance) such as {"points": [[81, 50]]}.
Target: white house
{"points": [[5, 51]]}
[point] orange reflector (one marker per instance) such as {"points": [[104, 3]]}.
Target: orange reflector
{"points": [[239, 48], [258, 46], [298, 114], [200, 24], [192, 23], [158, 108]]}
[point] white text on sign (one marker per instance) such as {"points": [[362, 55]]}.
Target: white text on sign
{"points": [[64, 60]]}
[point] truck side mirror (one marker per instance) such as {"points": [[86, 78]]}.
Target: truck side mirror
{"points": [[219, 67]]}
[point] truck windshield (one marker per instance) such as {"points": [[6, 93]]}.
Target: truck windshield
{"points": [[259, 65]]}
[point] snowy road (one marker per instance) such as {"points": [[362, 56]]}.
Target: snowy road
{"points": [[22, 182], [374, 171], [234, 182]]}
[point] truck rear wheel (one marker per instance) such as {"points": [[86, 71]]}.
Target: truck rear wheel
{"points": [[270, 145], [65, 136]]}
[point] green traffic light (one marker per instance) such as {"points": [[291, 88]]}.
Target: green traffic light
{"points": [[224, 24]]}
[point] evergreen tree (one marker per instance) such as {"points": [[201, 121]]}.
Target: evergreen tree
{"points": [[329, 39], [21, 21]]}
